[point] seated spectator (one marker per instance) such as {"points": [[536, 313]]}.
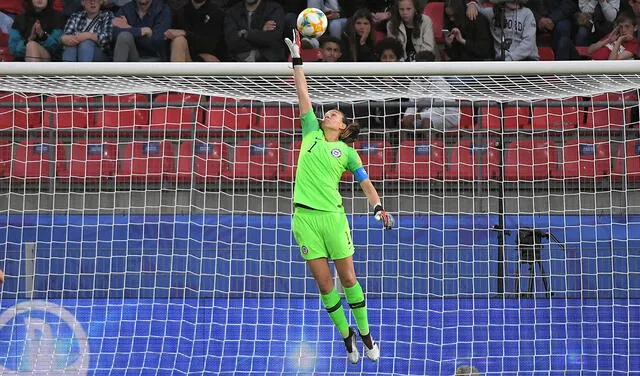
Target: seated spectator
{"points": [[389, 50], [6, 22], [634, 8], [512, 22], [198, 32], [421, 113], [412, 28], [331, 51], [337, 12], [467, 40], [595, 20], [35, 35], [253, 31], [620, 44], [87, 34], [291, 10], [357, 39], [554, 17], [381, 12], [138, 29]]}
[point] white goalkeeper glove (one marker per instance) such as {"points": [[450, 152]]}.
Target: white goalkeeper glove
{"points": [[381, 215], [294, 48]]}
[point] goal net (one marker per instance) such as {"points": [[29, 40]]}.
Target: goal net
{"points": [[145, 219]]}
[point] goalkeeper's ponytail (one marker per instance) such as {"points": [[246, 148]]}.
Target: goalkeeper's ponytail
{"points": [[350, 133]]}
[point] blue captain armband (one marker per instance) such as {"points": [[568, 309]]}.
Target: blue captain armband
{"points": [[360, 175]]}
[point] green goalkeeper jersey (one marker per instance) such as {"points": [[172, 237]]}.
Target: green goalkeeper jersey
{"points": [[320, 167]]}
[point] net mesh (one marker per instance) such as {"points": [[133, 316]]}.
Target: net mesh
{"points": [[147, 231]]}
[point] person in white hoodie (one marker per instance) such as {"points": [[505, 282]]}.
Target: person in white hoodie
{"points": [[513, 27]]}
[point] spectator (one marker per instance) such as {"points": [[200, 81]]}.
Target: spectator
{"points": [[595, 20], [467, 40], [292, 9], [439, 117], [467, 371], [554, 18], [412, 28], [331, 51], [357, 39], [87, 34], [634, 6], [139, 30], [35, 35], [389, 50], [198, 33], [513, 28], [253, 31], [620, 44], [6, 22], [381, 12], [335, 12]]}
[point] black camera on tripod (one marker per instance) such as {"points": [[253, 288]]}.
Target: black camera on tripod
{"points": [[529, 246]]}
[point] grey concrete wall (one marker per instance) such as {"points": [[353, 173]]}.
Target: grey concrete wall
{"points": [[278, 200]]}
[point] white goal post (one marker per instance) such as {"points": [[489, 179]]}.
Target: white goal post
{"points": [[145, 218]]}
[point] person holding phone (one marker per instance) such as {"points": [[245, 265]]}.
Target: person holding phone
{"points": [[465, 39]]}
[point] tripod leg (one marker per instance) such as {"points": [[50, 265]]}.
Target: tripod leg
{"points": [[532, 278], [545, 280]]}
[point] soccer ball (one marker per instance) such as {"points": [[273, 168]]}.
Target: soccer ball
{"points": [[312, 23]]}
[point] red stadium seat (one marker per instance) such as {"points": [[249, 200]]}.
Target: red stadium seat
{"points": [[90, 161], [583, 51], [175, 111], [20, 111], [546, 53], [123, 111], [632, 160], [610, 116], [255, 159], [550, 114], [148, 161], [435, 11], [5, 158], [69, 111], [285, 118], [379, 35], [202, 161], [235, 115], [420, 160], [466, 117], [289, 157], [512, 117], [584, 160], [529, 160], [376, 156], [472, 161], [32, 161]]}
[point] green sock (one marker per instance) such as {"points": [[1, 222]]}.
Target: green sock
{"points": [[355, 298], [333, 304]]}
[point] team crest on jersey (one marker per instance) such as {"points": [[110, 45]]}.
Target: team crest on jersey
{"points": [[305, 250], [336, 153]]}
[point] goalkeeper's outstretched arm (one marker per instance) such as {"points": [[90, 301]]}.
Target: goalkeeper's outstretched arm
{"points": [[304, 101]]}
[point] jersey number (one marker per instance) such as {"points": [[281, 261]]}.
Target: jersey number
{"points": [[314, 144]]}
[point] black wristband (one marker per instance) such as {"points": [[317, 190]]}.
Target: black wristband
{"points": [[296, 61], [377, 209]]}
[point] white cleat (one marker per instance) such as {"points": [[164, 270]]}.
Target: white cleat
{"points": [[374, 353], [351, 344]]}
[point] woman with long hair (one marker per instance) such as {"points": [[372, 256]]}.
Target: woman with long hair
{"points": [[412, 28], [467, 40], [36, 32], [319, 222], [357, 39]]}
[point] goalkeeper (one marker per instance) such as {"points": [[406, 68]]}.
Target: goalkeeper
{"points": [[319, 223]]}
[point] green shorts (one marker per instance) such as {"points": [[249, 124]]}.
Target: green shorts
{"points": [[322, 234]]}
